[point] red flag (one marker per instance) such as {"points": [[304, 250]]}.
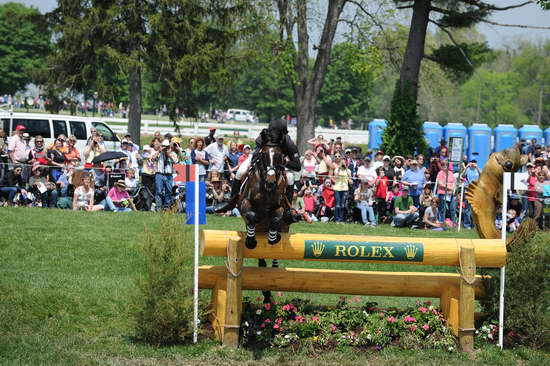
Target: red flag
{"points": [[185, 173]]}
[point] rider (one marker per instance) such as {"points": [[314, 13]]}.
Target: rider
{"points": [[276, 133]]}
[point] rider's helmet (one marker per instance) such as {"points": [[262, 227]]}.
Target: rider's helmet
{"points": [[278, 130]]}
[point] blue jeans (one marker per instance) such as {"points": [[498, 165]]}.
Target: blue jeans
{"points": [[400, 220], [108, 205], [340, 209], [451, 206], [367, 213], [12, 191], [467, 215], [49, 199], [163, 188]]}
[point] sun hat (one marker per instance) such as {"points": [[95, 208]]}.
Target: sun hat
{"points": [[120, 183], [398, 157], [165, 142], [386, 157]]}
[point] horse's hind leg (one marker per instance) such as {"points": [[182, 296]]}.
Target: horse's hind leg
{"points": [[273, 236], [266, 294]]}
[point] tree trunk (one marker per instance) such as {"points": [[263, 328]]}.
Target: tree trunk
{"points": [[134, 109], [308, 85], [414, 53]]}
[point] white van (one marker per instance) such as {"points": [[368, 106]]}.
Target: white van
{"points": [[240, 115], [49, 126]]}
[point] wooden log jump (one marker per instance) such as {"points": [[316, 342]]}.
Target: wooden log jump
{"points": [[489, 253], [456, 291]]}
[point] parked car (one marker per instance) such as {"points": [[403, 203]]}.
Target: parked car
{"points": [[49, 126], [241, 115]]}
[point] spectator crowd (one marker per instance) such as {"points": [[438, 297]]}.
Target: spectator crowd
{"points": [[336, 183]]}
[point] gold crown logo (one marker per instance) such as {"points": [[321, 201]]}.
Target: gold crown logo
{"points": [[410, 251], [318, 248]]}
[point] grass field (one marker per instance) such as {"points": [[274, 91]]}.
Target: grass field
{"points": [[66, 279]]}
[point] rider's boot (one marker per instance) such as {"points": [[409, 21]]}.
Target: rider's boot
{"points": [[232, 202]]}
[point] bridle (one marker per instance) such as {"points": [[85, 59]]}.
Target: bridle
{"points": [[269, 168]]}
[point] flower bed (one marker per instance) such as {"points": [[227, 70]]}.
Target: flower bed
{"points": [[299, 323]]}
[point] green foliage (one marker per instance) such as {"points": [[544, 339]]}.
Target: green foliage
{"points": [[497, 95], [527, 297], [25, 43], [349, 81], [163, 307], [404, 134], [544, 4], [453, 59]]}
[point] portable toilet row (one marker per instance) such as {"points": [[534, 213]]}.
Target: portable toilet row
{"points": [[505, 137], [376, 129]]}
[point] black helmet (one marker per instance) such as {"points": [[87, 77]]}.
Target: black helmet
{"points": [[278, 125]]}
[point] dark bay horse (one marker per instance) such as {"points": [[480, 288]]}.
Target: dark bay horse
{"points": [[262, 200]]}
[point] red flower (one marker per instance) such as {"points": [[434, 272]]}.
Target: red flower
{"points": [[267, 306], [426, 327], [267, 320]]}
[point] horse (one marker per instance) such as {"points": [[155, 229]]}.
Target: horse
{"points": [[262, 200]]}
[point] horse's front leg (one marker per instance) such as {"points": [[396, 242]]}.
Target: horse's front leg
{"points": [[274, 236], [251, 219]]}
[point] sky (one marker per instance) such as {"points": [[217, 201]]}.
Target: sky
{"points": [[497, 36]]}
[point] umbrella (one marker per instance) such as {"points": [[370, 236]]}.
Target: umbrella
{"points": [[109, 155]]}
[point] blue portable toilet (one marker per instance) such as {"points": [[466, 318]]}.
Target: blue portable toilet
{"points": [[505, 137], [376, 128], [547, 137], [529, 132], [433, 132], [479, 143], [456, 130]]}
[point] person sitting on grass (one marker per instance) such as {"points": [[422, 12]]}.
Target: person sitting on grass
{"points": [[83, 198], [431, 216], [118, 199], [41, 187], [405, 210], [13, 183]]}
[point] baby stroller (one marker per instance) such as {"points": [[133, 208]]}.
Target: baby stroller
{"points": [[143, 198]]}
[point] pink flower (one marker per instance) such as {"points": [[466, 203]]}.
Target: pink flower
{"points": [[299, 319], [414, 327], [409, 319], [262, 325], [426, 327], [279, 320], [315, 319], [286, 307], [333, 328], [435, 312], [391, 319], [279, 293], [276, 326], [422, 309], [267, 320], [381, 315], [267, 306]]}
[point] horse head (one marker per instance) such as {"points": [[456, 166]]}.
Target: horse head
{"points": [[271, 166]]}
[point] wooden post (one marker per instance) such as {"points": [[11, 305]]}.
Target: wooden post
{"points": [[233, 301], [448, 303], [217, 308], [467, 296]]}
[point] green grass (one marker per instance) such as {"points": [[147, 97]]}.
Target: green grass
{"points": [[66, 279]]}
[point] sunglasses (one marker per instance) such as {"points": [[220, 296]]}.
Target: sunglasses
{"points": [[39, 141]]}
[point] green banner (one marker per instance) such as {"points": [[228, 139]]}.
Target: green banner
{"points": [[364, 250]]}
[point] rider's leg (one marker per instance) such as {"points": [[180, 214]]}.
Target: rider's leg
{"points": [[235, 188], [290, 187]]}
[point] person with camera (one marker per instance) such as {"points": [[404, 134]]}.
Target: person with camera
{"points": [[341, 182], [93, 149], [165, 155]]}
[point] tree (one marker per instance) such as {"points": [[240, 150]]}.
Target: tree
{"points": [[181, 41], [349, 81], [446, 15], [25, 43]]}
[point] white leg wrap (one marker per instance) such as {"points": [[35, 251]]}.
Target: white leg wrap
{"points": [[289, 178]]}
